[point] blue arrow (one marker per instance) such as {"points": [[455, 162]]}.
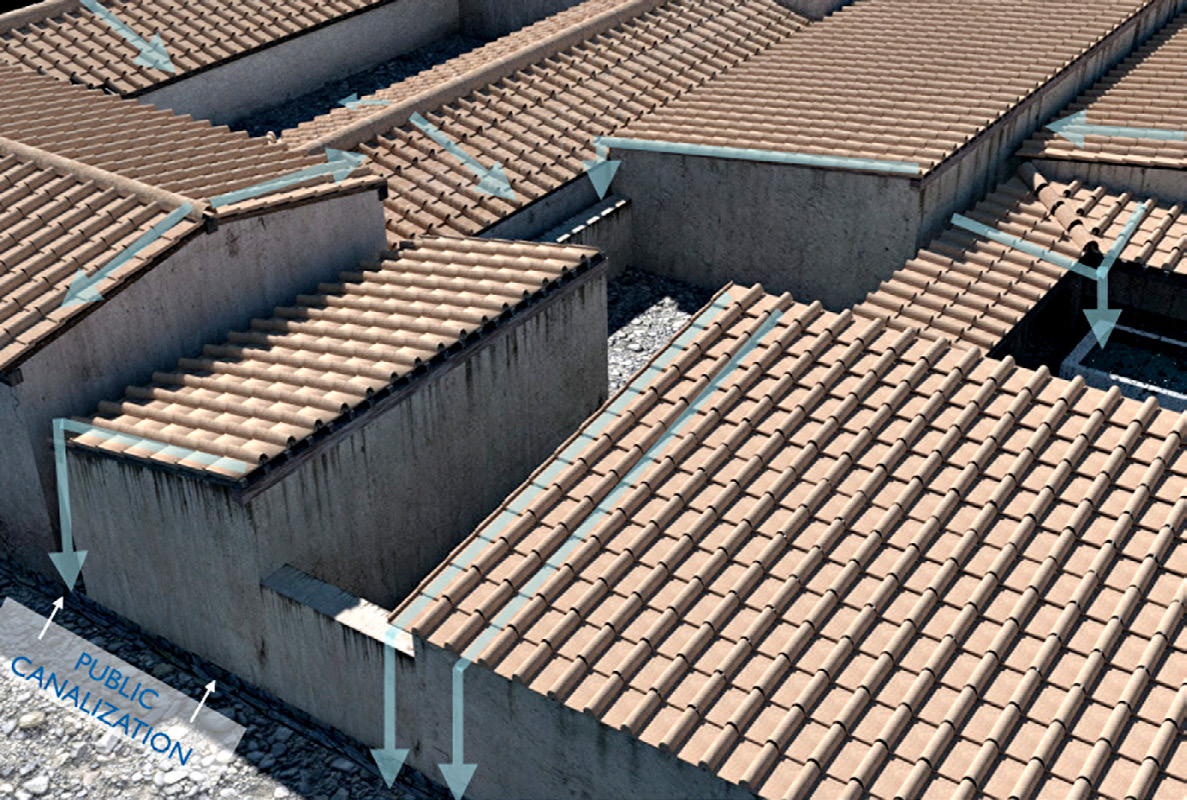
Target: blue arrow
{"points": [[353, 102], [1075, 127], [1103, 319], [389, 758], [152, 54], [601, 171], [339, 164], [82, 288], [1049, 256], [69, 561], [764, 156], [491, 181], [458, 773]]}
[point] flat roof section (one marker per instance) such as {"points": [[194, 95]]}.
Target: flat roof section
{"points": [[540, 122], [270, 388], [896, 80], [974, 290], [71, 43], [1136, 115], [84, 177], [823, 558]]}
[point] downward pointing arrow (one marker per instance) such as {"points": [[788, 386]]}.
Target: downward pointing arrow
{"points": [[389, 758], [68, 562], [458, 774], [491, 181], [152, 53], [601, 171], [1102, 318], [1075, 127]]}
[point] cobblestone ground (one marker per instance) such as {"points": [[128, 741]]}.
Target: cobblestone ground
{"points": [[291, 113], [51, 752], [645, 312]]}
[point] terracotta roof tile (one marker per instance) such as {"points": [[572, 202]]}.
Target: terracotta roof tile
{"points": [[84, 175], [777, 628], [71, 44], [899, 80], [539, 121], [1146, 90], [972, 290], [287, 379]]}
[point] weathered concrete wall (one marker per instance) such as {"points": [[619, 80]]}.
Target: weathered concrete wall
{"points": [[372, 509], [831, 235], [1165, 184], [827, 235], [490, 19], [400, 490], [274, 74], [551, 210], [606, 226], [214, 283], [525, 745]]}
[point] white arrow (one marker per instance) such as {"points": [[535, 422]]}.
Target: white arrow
{"points": [[57, 607], [209, 689]]}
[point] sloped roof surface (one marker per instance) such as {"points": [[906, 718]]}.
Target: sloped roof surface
{"points": [[540, 122], [975, 290], [824, 558], [1147, 90], [283, 379], [83, 175], [900, 80], [475, 62], [72, 44]]}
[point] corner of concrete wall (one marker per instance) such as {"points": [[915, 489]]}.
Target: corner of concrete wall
{"points": [[215, 283], [269, 76], [821, 234], [377, 506], [25, 525], [606, 226], [171, 552]]}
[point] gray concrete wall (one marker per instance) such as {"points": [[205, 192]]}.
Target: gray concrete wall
{"points": [[231, 91], [214, 283], [1165, 184], [827, 235], [525, 745], [372, 509], [553, 209], [490, 19], [606, 226]]}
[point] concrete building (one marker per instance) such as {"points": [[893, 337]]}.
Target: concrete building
{"points": [[894, 114], [228, 59], [95, 184], [359, 435], [1133, 95]]}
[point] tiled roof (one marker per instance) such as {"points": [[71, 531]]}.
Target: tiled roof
{"points": [[1147, 90], [70, 43], [540, 121], [974, 290], [897, 80], [286, 379], [459, 76], [83, 175], [823, 558]]}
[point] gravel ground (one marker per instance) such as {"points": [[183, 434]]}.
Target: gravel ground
{"points": [[300, 109], [645, 312], [49, 751]]}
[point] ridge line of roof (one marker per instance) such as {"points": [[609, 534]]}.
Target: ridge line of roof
{"points": [[143, 191], [1058, 209], [374, 124]]}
